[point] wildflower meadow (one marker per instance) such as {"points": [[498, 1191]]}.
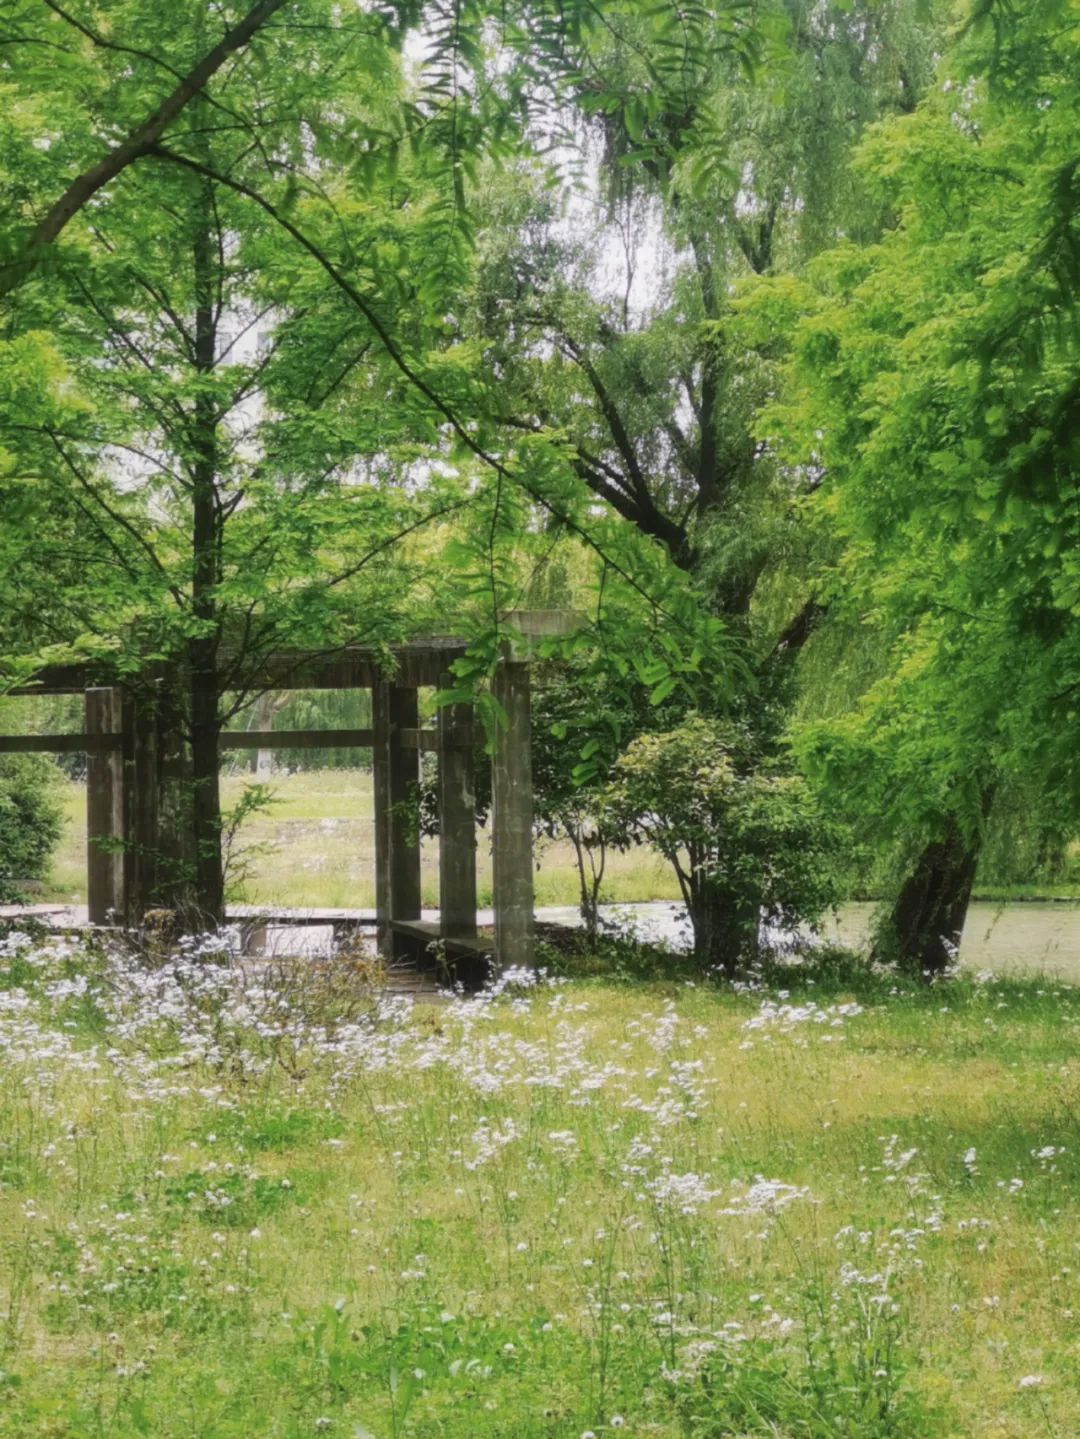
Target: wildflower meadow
{"points": [[232, 1206]]}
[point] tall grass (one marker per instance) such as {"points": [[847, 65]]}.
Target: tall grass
{"points": [[239, 1206]]}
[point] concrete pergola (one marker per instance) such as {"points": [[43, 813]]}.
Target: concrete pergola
{"points": [[123, 743]]}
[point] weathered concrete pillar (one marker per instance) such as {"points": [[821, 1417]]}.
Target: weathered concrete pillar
{"points": [[140, 785], [512, 819], [104, 810], [397, 837], [457, 820], [175, 821], [380, 772]]}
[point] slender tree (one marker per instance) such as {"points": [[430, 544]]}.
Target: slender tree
{"points": [[231, 504]]}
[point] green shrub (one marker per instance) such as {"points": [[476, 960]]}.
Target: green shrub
{"points": [[30, 819], [748, 843]]}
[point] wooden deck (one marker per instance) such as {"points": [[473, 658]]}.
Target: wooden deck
{"points": [[423, 963]]}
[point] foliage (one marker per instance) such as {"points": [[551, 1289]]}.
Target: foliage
{"points": [[30, 819], [239, 855], [336, 355], [613, 955], [312, 709], [287, 396], [208, 499], [748, 846], [606, 314], [575, 747], [932, 394]]}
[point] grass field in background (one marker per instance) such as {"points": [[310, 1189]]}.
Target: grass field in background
{"points": [[315, 847], [589, 1210]]}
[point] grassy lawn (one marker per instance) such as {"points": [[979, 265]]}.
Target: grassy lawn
{"points": [[315, 847], [648, 1211]]}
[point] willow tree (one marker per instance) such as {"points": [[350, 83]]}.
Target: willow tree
{"points": [[934, 390], [607, 317], [606, 310]]}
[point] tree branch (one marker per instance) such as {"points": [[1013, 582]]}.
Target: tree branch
{"points": [[118, 519], [137, 144], [798, 630], [401, 362]]}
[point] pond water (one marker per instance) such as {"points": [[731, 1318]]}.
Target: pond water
{"points": [[1026, 936], [1022, 936]]}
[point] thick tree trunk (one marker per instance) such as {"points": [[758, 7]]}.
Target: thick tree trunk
{"points": [[922, 931], [726, 931], [206, 566], [206, 793]]}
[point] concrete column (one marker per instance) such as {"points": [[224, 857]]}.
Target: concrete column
{"points": [[104, 811], [380, 769], [512, 820], [457, 819], [397, 838], [140, 786]]}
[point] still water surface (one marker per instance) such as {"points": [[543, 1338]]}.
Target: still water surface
{"points": [[1025, 936], [1028, 937], [1020, 936]]}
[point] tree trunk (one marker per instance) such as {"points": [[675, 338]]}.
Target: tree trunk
{"points": [[586, 908], [596, 853], [922, 931], [590, 869], [206, 536], [726, 930], [266, 706], [206, 792]]}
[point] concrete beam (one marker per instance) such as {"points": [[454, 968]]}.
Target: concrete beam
{"points": [[457, 820]]}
